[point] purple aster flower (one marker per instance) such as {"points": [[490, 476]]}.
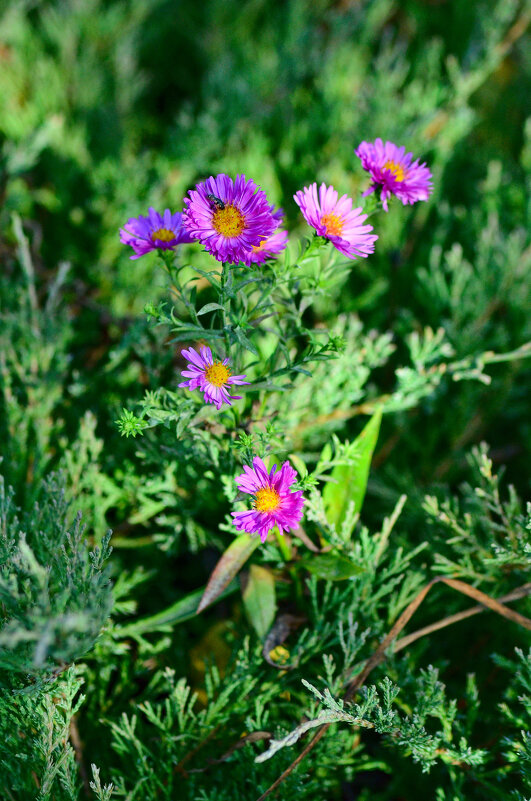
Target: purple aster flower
{"points": [[156, 231], [271, 245], [274, 504], [228, 217], [395, 171], [336, 220], [211, 377]]}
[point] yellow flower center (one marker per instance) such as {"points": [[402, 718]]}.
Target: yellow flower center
{"points": [[229, 222], [333, 223], [397, 170], [162, 235], [261, 246], [218, 374], [266, 500]]}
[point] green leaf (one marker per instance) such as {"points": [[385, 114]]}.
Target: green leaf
{"points": [[326, 453], [228, 566], [299, 465], [349, 481], [332, 566], [208, 308], [196, 332], [259, 599], [244, 341], [212, 276], [181, 610]]}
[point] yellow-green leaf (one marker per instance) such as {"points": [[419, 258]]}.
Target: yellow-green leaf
{"points": [[259, 599], [349, 481], [332, 566]]}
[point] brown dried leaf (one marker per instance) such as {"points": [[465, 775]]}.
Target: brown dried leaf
{"points": [[228, 566]]}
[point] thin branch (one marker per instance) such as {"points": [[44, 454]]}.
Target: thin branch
{"points": [[77, 745], [403, 642], [379, 654], [180, 765], [253, 737]]}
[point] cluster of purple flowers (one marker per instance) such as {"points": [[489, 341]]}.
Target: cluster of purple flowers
{"points": [[232, 219], [234, 222]]}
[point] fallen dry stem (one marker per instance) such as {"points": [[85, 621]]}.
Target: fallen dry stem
{"points": [[379, 655]]}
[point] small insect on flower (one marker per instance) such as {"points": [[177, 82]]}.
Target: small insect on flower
{"points": [[274, 502], [154, 232], [336, 220], [216, 202], [394, 170], [210, 376], [228, 217]]}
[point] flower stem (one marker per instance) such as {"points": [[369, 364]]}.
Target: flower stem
{"points": [[225, 302], [285, 550]]}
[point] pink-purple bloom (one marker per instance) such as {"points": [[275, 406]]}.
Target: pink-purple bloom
{"points": [[154, 232], [272, 245], [212, 377], [336, 220], [394, 170], [228, 217], [274, 503]]}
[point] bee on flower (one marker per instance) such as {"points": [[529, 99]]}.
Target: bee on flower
{"points": [[228, 217]]}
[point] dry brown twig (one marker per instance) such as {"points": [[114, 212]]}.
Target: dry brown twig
{"points": [[379, 655]]}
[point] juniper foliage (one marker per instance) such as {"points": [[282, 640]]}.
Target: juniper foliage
{"points": [[380, 381]]}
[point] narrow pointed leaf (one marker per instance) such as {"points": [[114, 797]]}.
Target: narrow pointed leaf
{"points": [[181, 610], [228, 566], [244, 341], [349, 481], [332, 566], [208, 308]]}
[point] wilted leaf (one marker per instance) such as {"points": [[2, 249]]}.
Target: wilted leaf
{"points": [[349, 481], [259, 599], [332, 566], [228, 566]]}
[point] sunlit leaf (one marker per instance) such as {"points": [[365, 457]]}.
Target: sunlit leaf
{"points": [[298, 464], [208, 308], [259, 599], [332, 566], [349, 481]]}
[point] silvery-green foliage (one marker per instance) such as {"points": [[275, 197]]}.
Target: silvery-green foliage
{"points": [[376, 711], [483, 532], [36, 755], [55, 594]]}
